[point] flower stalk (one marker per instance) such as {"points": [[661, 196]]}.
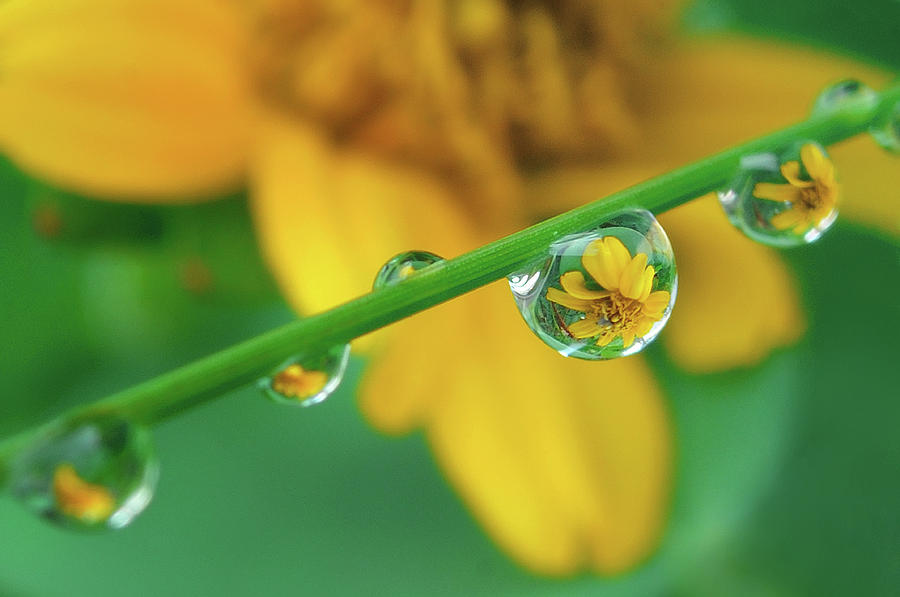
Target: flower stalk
{"points": [[205, 379]]}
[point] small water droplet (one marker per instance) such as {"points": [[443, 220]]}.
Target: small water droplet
{"points": [[92, 471], [601, 294], [783, 200], [304, 381], [886, 131], [842, 93], [401, 266]]}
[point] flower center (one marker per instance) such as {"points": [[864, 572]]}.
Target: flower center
{"points": [[617, 312], [811, 197]]}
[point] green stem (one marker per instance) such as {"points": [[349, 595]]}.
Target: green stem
{"points": [[212, 376]]}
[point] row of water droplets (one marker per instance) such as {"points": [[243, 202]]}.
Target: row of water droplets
{"points": [[98, 470], [600, 294]]}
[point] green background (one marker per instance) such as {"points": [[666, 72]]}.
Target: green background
{"points": [[788, 491]]}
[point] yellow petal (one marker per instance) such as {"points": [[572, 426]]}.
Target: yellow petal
{"points": [[605, 259], [736, 299], [776, 192], [567, 300], [790, 218], [573, 283], [791, 172], [656, 303], [329, 219], [631, 284], [817, 165], [627, 338], [644, 326], [563, 477], [584, 328], [125, 99], [646, 282]]}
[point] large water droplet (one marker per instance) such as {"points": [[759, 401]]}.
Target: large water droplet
{"points": [[601, 294], [783, 200], [307, 380], [401, 266], [88, 472]]}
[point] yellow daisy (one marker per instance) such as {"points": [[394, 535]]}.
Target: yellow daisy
{"points": [[442, 126], [626, 307], [79, 499], [810, 202]]}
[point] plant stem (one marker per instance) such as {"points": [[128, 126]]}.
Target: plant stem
{"points": [[212, 376]]}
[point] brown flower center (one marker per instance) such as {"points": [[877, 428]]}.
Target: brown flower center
{"points": [[811, 197]]}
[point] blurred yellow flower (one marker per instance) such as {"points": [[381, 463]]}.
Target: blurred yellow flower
{"points": [[390, 126], [296, 382], [809, 201], [79, 499], [625, 308]]}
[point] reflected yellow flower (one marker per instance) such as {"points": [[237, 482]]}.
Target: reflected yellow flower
{"points": [[79, 499], [626, 307], [296, 382], [432, 125], [809, 201]]}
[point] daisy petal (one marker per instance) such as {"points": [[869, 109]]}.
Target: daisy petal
{"points": [[790, 218], [100, 96], [656, 303], [817, 165], [567, 300], [627, 338], [584, 328], [605, 259], [646, 282], [580, 481], [776, 192], [791, 171], [643, 327], [631, 284], [573, 283], [605, 339]]}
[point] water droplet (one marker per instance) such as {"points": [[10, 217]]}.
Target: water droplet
{"points": [[401, 266], [603, 293], [783, 200], [304, 381], [887, 131], [89, 472], [841, 94]]}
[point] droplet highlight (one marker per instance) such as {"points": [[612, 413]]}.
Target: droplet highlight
{"points": [[402, 266], [601, 294], [307, 380], [784, 200], [94, 471]]}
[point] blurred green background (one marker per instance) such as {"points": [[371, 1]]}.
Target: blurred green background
{"points": [[790, 491]]}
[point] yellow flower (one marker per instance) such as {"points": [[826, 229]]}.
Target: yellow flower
{"points": [[79, 499], [296, 382], [626, 307], [810, 202], [440, 127]]}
